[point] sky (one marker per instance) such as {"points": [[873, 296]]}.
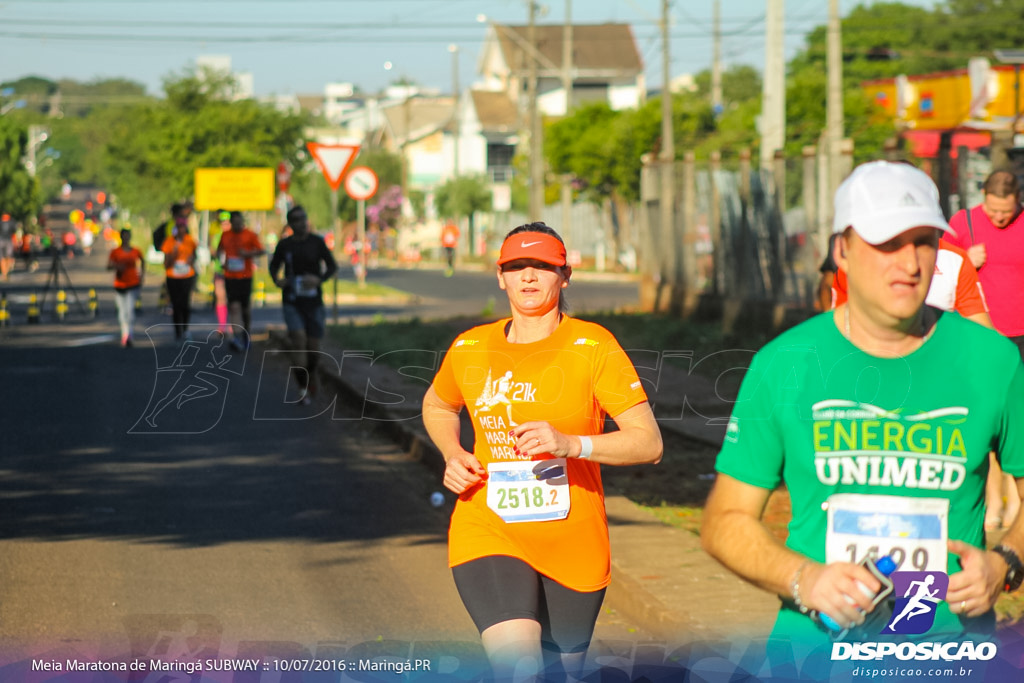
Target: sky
{"points": [[296, 46]]}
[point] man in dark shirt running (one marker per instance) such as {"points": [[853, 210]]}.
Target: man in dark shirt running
{"points": [[307, 264]]}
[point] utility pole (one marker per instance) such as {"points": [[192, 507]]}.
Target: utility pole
{"points": [[456, 117], [668, 148], [567, 87], [716, 58], [536, 143], [833, 103], [773, 94]]}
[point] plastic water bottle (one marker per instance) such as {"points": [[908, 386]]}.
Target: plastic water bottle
{"points": [[881, 569]]}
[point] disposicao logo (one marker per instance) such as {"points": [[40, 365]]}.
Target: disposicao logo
{"points": [[918, 595]]}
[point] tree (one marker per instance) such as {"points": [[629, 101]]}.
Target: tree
{"points": [[155, 147], [464, 196], [19, 191], [78, 99], [740, 83]]}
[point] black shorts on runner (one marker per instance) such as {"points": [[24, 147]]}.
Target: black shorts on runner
{"points": [[309, 318], [238, 289], [499, 588]]}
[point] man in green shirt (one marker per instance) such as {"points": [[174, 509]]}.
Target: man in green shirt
{"points": [[878, 417]]}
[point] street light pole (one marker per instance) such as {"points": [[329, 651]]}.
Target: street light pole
{"points": [[536, 143], [456, 118], [37, 135]]}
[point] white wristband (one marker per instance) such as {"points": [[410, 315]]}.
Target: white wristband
{"points": [[586, 447]]}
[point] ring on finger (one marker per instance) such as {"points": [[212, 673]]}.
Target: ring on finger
{"points": [[963, 605]]}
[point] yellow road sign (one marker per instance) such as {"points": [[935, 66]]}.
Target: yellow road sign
{"points": [[235, 189]]}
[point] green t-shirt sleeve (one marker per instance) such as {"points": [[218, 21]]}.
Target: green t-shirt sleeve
{"points": [[1010, 445], [753, 448]]}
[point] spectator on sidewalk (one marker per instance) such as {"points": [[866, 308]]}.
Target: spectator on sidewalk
{"points": [[852, 448], [307, 263]]}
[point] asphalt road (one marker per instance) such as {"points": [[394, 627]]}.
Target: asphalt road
{"points": [[170, 502]]}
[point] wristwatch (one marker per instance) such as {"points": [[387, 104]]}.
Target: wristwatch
{"points": [[1015, 570]]}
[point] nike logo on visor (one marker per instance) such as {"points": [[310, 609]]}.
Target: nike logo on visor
{"points": [[526, 245]]}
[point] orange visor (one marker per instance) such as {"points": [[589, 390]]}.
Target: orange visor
{"points": [[538, 246]]}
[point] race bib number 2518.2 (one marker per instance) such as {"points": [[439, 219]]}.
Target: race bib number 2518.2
{"points": [[529, 491]]}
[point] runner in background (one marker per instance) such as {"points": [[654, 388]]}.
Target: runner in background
{"points": [[220, 292], [932, 372], [528, 542], [450, 242], [307, 264], [179, 261], [992, 233], [7, 230], [129, 268], [237, 248]]}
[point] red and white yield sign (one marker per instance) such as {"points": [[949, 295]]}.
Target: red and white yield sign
{"points": [[361, 183], [333, 160]]}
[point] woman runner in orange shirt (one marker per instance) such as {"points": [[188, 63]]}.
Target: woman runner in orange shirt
{"points": [[528, 541], [129, 268]]}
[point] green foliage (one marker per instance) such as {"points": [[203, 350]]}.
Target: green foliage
{"points": [[740, 83], [19, 192], [154, 147], [884, 40], [603, 149], [463, 196], [81, 99], [34, 90]]}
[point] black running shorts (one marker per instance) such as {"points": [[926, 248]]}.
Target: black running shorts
{"points": [[499, 588], [238, 289]]}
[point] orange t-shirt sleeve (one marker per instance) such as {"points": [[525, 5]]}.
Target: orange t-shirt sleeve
{"points": [[970, 299], [616, 384], [445, 386]]}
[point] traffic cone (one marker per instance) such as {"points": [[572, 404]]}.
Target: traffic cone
{"points": [[62, 305], [261, 295], [94, 304], [5, 316], [33, 309]]}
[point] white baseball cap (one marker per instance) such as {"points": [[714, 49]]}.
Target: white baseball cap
{"points": [[881, 199]]}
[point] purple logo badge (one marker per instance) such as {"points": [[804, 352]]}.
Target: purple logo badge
{"points": [[918, 594]]}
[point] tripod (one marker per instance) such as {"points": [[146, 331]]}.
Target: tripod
{"points": [[53, 279]]}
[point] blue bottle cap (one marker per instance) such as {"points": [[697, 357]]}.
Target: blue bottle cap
{"points": [[885, 565], [829, 622]]}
